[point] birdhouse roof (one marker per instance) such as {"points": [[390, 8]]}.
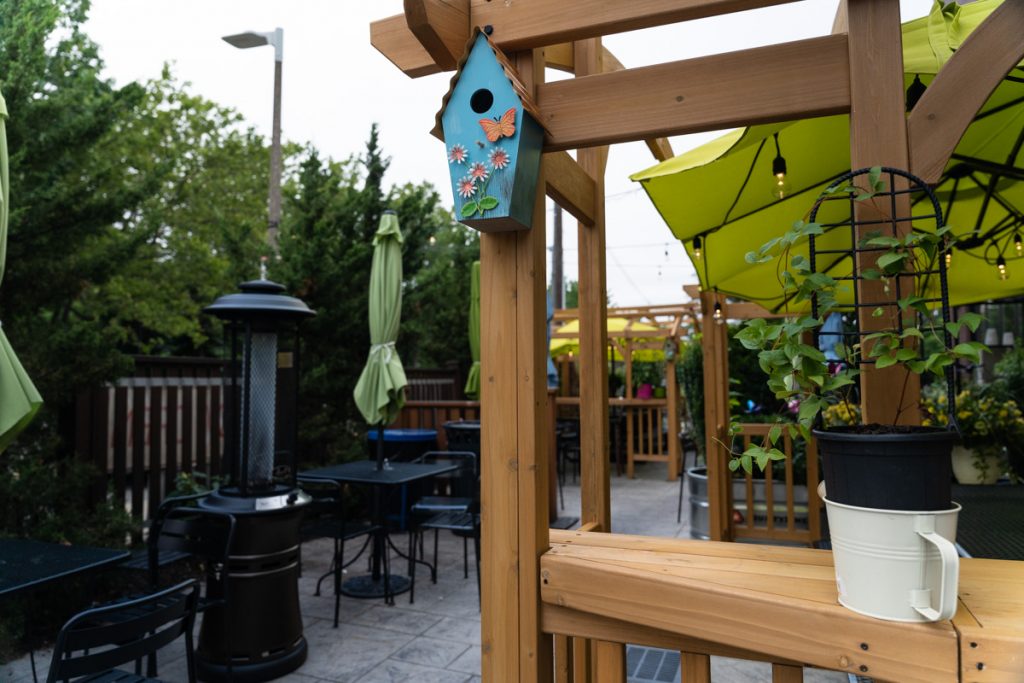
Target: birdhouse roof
{"points": [[510, 71]]}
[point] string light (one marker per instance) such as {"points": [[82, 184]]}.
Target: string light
{"points": [[1017, 243], [1001, 266], [717, 313], [781, 187], [949, 258], [432, 240], [696, 247]]}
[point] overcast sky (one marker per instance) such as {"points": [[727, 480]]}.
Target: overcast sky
{"points": [[336, 84]]}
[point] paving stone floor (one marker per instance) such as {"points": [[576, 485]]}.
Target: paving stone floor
{"points": [[437, 638]]}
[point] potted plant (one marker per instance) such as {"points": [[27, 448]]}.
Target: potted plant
{"points": [[887, 487], [879, 466], [987, 423], [646, 375]]}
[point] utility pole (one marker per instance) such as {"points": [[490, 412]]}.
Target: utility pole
{"points": [[557, 277]]}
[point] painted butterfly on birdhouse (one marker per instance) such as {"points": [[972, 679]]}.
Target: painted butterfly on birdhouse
{"points": [[499, 128]]}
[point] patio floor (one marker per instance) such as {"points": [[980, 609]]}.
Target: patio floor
{"points": [[437, 638]]}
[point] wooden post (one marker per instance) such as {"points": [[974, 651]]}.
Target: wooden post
{"points": [[595, 499], [878, 137], [672, 394], [514, 468], [715, 343], [695, 668]]}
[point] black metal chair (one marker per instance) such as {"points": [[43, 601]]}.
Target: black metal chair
{"points": [[465, 524], [93, 643], [145, 559], [454, 492], [325, 518], [207, 536]]}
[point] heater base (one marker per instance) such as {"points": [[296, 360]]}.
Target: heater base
{"points": [[273, 666]]}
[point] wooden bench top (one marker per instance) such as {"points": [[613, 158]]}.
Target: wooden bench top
{"points": [[781, 602]]}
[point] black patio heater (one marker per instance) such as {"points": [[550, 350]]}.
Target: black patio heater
{"points": [[262, 637]]}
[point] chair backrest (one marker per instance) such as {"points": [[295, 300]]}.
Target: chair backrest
{"points": [[463, 482], [205, 534], [107, 637]]}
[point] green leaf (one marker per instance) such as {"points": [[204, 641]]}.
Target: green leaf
{"points": [[468, 209], [878, 312], [905, 354], [488, 203], [734, 464], [885, 361], [774, 433], [972, 320], [889, 260], [971, 350]]}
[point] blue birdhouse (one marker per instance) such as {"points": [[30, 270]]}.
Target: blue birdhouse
{"points": [[493, 138]]}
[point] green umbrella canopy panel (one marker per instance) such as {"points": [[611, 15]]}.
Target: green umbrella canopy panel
{"points": [[718, 199]]}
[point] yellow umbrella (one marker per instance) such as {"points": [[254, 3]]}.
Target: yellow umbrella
{"points": [[617, 328]]}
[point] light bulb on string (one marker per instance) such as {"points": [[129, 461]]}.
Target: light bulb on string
{"points": [[1001, 267], [697, 247], [781, 187], [1017, 243], [949, 258], [432, 240], [717, 313]]}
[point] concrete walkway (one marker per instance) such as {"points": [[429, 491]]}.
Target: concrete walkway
{"points": [[437, 638]]}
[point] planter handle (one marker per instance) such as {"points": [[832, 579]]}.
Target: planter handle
{"points": [[920, 599]]}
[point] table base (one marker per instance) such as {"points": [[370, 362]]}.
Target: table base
{"points": [[367, 587]]}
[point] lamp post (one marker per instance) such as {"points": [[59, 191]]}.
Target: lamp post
{"points": [[256, 39]]}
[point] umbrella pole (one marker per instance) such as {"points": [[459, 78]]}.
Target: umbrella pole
{"points": [[380, 446]]}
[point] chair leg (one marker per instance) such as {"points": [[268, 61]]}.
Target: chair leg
{"points": [[433, 574], [338, 565], [679, 511], [465, 557], [412, 567]]}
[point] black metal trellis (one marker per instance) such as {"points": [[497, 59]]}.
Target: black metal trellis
{"points": [[897, 182]]}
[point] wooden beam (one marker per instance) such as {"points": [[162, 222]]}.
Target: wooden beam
{"points": [[960, 89], [878, 137], [661, 148], [394, 40], [570, 186], [535, 23], [442, 27], [787, 81], [595, 497], [715, 343], [840, 24]]}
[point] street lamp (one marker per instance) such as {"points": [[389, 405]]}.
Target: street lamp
{"points": [[256, 39]]}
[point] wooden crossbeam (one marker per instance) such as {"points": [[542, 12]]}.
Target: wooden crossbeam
{"points": [[787, 81], [394, 40], [534, 23], [442, 28], [570, 186], [960, 89]]}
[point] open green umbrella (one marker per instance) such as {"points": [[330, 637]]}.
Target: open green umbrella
{"points": [[19, 399], [718, 198], [380, 391], [472, 389]]}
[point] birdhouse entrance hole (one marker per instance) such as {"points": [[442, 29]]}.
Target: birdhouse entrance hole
{"points": [[481, 100]]}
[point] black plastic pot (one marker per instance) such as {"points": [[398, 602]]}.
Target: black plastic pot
{"points": [[903, 471]]}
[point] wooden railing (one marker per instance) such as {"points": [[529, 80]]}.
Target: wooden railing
{"points": [[141, 431], [781, 506]]}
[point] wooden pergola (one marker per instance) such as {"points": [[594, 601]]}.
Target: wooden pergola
{"points": [[561, 605]]}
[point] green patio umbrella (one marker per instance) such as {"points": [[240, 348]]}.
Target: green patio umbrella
{"points": [[718, 197], [472, 389], [19, 399], [380, 391]]}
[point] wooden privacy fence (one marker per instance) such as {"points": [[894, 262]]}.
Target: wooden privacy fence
{"points": [[141, 431], [433, 415]]}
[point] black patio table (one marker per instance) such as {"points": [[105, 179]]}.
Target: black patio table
{"points": [[395, 474], [26, 565]]}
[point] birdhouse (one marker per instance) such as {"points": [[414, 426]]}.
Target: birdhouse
{"points": [[493, 138]]}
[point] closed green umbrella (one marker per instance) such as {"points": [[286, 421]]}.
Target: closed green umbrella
{"points": [[19, 399], [472, 389], [380, 391]]}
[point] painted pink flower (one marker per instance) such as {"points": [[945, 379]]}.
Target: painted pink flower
{"points": [[467, 186], [499, 158], [477, 171], [457, 154]]}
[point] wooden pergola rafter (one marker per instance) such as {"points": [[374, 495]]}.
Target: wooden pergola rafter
{"points": [[858, 69]]}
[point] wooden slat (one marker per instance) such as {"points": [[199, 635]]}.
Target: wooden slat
{"points": [[155, 440], [563, 659], [120, 441], [878, 137], [595, 496], [786, 610], [714, 341], [535, 23], [788, 81], [100, 437], [558, 619], [202, 430], [442, 27], [781, 673], [581, 660], [609, 662], [695, 668], [186, 427], [570, 186], [958, 92]]}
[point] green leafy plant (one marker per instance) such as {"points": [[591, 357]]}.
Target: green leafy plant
{"points": [[798, 371]]}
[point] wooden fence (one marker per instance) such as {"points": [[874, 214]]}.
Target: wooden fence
{"points": [[433, 415], [141, 431]]}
